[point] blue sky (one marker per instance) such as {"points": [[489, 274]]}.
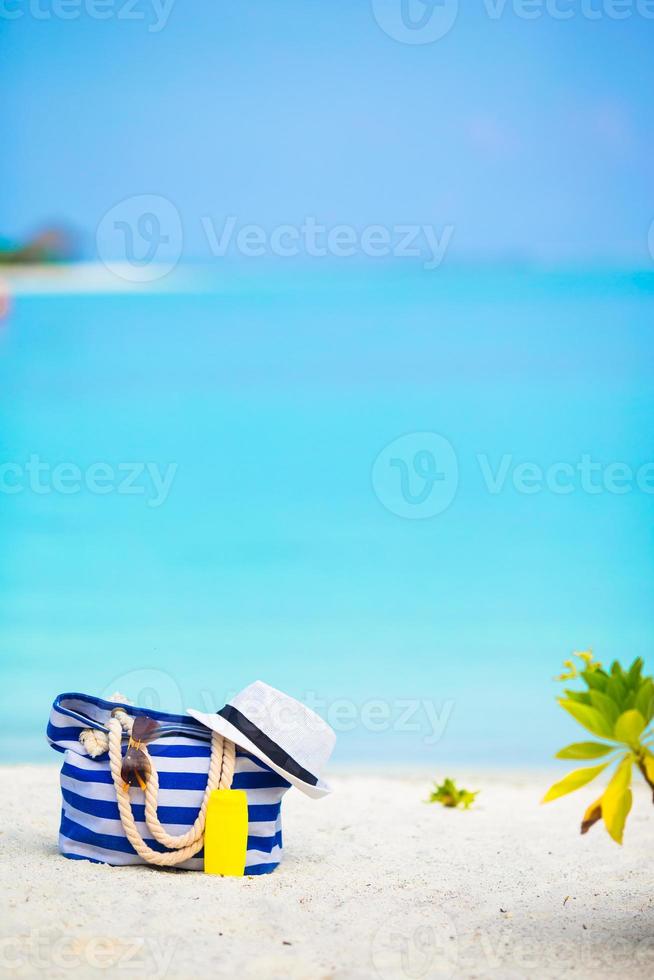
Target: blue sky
{"points": [[533, 138]]}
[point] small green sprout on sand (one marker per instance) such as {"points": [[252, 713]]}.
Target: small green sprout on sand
{"points": [[448, 794], [617, 707]]}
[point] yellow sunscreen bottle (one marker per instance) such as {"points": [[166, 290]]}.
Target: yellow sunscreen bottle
{"points": [[226, 833]]}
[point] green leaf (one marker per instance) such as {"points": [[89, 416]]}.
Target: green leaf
{"points": [[634, 672], [574, 780], [581, 697], [617, 799], [645, 700], [629, 727], [606, 706], [616, 690], [595, 679], [589, 717], [585, 750]]}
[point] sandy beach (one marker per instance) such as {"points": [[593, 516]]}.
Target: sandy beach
{"points": [[374, 884]]}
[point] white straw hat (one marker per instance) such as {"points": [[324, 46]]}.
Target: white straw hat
{"points": [[282, 732]]}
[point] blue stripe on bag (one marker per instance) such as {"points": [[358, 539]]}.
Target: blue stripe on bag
{"points": [[112, 842], [71, 734], [108, 810], [250, 869], [198, 751], [59, 734], [183, 780]]}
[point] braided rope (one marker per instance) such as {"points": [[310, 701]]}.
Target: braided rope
{"points": [[221, 772]]}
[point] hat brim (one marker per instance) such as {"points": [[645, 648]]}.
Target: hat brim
{"points": [[219, 724]]}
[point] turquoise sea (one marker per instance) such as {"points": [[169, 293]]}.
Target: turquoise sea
{"points": [[190, 500]]}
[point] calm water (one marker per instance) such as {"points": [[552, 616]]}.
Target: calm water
{"points": [[278, 551]]}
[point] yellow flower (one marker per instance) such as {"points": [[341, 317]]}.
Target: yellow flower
{"points": [[569, 673], [587, 657]]}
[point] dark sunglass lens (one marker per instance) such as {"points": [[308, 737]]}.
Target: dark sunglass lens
{"points": [[135, 768], [144, 729]]}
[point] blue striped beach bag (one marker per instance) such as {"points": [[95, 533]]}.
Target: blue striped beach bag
{"points": [[262, 742]]}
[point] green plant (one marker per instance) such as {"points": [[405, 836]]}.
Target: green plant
{"points": [[617, 707], [448, 794]]}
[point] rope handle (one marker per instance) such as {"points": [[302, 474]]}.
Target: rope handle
{"points": [[185, 846]]}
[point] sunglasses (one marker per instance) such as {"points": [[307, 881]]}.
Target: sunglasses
{"points": [[136, 764]]}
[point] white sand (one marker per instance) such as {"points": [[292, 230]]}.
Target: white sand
{"points": [[374, 883]]}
